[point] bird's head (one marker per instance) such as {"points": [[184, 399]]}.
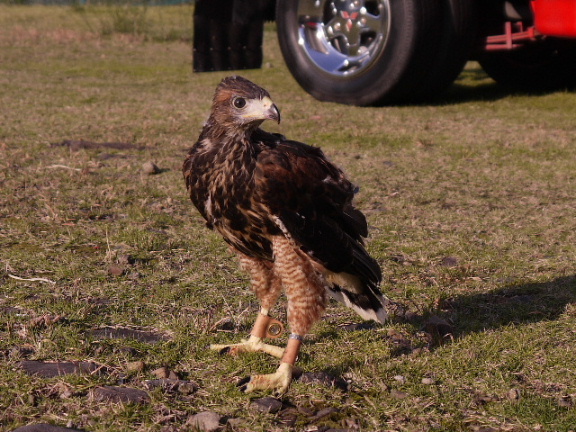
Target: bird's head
{"points": [[240, 103]]}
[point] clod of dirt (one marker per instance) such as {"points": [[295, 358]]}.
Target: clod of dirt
{"points": [[44, 427], [427, 381], [173, 385], [351, 424], [164, 373], [306, 411], [513, 394], [325, 412], [225, 324], [438, 329], [400, 259], [116, 269], [9, 310], [484, 429], [482, 399], [136, 366], [565, 401], [128, 333], [54, 369], [416, 352], [288, 417], [267, 405], [400, 378], [360, 326], [21, 352], [150, 168], [119, 394], [207, 421], [397, 394], [45, 321], [400, 311], [99, 301], [400, 343], [126, 260], [449, 261], [62, 390], [324, 379]]}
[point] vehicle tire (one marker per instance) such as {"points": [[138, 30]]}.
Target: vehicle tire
{"points": [[457, 31], [544, 66], [370, 52]]}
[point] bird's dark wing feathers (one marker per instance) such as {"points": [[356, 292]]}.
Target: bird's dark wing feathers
{"points": [[198, 190], [313, 200]]}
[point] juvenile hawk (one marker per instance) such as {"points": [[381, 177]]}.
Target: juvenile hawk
{"points": [[287, 212]]}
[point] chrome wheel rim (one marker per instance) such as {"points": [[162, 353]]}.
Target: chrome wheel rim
{"points": [[343, 37]]}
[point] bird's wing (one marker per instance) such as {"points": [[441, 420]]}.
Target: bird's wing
{"points": [[198, 190], [312, 202]]}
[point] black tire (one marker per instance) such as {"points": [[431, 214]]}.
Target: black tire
{"points": [[544, 66], [410, 50], [456, 29]]}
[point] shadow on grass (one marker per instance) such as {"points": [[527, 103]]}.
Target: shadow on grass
{"points": [[518, 304], [462, 93], [474, 85], [512, 304], [521, 303], [486, 92]]}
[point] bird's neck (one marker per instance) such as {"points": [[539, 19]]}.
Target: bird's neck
{"points": [[219, 152], [230, 138]]}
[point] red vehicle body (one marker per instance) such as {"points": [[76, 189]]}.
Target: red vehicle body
{"points": [[370, 52], [555, 17]]}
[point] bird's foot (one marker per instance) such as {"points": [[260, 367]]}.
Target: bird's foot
{"points": [[253, 344], [278, 381]]}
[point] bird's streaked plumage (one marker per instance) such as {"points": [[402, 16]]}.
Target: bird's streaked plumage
{"points": [[286, 210]]}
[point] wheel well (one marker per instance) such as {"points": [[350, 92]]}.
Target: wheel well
{"points": [[494, 13]]}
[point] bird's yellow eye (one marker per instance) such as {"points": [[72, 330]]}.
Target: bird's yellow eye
{"points": [[239, 102]]}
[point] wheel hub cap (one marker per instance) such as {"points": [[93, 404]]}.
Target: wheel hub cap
{"points": [[343, 37]]}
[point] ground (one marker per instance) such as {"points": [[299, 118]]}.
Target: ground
{"points": [[470, 201]]}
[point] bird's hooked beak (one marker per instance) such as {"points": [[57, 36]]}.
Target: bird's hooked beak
{"points": [[274, 113], [261, 109]]}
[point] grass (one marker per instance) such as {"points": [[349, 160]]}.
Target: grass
{"points": [[470, 201]]}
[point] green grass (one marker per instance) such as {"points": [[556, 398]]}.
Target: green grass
{"points": [[470, 201]]}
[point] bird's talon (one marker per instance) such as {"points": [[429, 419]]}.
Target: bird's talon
{"points": [[251, 345], [277, 382], [243, 384]]}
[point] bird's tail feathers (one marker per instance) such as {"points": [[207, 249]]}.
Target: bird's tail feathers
{"points": [[365, 267], [365, 300]]}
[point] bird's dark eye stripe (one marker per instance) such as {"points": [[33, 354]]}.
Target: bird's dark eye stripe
{"points": [[239, 102]]}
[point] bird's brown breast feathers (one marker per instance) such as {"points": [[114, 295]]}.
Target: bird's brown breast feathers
{"points": [[221, 185]]}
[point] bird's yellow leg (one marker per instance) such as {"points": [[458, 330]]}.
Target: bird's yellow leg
{"points": [[254, 342], [280, 380]]}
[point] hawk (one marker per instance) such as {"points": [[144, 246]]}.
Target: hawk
{"points": [[287, 213]]}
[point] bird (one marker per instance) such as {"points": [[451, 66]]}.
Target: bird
{"points": [[287, 212]]}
